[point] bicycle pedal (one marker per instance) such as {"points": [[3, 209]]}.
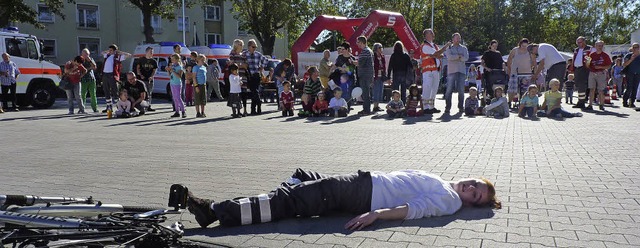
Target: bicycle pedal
{"points": [[178, 196]]}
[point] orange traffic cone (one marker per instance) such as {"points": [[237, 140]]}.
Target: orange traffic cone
{"points": [[607, 96], [614, 94]]}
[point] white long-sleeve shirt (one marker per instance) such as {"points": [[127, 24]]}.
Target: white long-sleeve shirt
{"points": [[235, 84], [425, 194]]}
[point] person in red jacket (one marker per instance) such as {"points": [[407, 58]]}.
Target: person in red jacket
{"points": [[320, 106], [74, 71]]}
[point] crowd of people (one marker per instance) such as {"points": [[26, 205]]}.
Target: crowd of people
{"points": [[496, 87]]}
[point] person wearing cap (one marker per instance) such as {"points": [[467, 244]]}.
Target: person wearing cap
{"points": [[549, 59]]}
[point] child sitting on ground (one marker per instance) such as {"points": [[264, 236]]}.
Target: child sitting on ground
{"points": [[123, 106], [551, 105], [529, 103], [320, 106], [471, 104], [395, 107], [287, 99], [568, 89], [235, 87], [499, 107], [414, 102], [338, 104], [307, 105]]}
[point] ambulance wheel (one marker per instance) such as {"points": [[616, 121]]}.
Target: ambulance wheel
{"points": [[42, 96]]}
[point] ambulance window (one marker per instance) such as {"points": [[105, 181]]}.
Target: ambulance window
{"points": [[162, 63], [13, 47], [32, 49]]}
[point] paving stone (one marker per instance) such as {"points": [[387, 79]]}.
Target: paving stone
{"points": [[570, 192]]}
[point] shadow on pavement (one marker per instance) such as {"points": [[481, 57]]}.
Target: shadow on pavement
{"points": [[414, 120], [448, 117], [338, 120], [335, 224], [35, 118], [196, 121]]}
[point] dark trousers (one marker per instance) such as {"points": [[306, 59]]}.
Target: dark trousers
{"points": [[629, 93], [6, 96], [317, 195], [581, 77], [254, 95], [399, 82]]}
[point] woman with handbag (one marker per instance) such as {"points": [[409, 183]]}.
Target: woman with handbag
{"points": [[73, 72]]}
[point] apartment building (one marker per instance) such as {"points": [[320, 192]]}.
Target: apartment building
{"points": [[95, 24]]}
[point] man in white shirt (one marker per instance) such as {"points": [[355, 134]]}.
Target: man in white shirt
{"points": [[408, 194], [549, 59]]}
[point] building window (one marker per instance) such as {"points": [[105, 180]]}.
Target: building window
{"points": [[180, 22], [49, 49], [156, 23], [88, 16], [44, 14], [212, 13], [213, 38], [93, 44]]}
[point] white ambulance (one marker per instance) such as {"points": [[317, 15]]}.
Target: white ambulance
{"points": [[161, 53], [38, 80], [218, 52]]}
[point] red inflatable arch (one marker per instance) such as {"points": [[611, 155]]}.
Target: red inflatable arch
{"points": [[324, 22], [385, 19], [365, 26]]}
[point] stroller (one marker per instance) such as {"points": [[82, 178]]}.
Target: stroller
{"points": [[524, 80], [492, 80]]}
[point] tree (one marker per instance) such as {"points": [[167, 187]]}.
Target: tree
{"points": [[165, 9], [18, 11]]}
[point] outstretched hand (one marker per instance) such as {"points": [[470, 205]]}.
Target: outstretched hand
{"points": [[361, 221]]}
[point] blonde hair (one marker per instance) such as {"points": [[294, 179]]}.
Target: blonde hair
{"points": [[238, 44], [202, 58], [554, 81], [177, 58], [86, 51]]}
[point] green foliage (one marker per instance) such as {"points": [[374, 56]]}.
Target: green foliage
{"points": [[163, 8], [18, 11]]}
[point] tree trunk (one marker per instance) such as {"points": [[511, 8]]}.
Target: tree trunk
{"points": [[268, 44], [147, 28]]}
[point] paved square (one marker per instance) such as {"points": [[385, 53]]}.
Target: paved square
{"points": [[571, 182]]}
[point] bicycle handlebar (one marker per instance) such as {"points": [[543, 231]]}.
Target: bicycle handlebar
{"points": [[30, 200]]}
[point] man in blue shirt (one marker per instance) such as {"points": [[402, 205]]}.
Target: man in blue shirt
{"points": [[8, 77]]}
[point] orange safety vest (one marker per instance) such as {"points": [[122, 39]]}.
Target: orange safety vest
{"points": [[427, 63]]}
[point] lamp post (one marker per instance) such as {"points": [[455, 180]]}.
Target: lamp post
{"points": [[432, 3], [184, 34]]}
